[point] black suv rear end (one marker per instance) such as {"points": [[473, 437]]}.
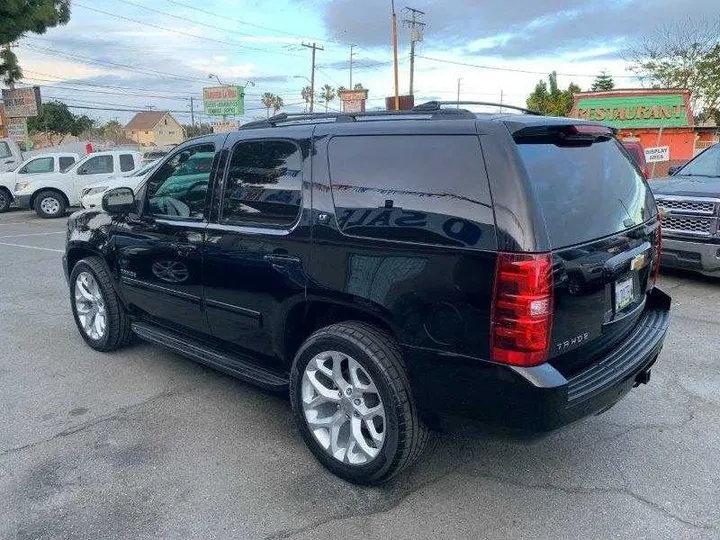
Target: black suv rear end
{"points": [[433, 267]]}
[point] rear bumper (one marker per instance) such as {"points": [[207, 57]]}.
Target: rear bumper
{"points": [[23, 201], [689, 255], [470, 396]]}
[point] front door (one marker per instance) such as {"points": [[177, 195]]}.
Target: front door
{"points": [[256, 255], [160, 252]]}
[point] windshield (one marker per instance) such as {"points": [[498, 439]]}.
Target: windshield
{"points": [[4, 150], [144, 170], [705, 165]]}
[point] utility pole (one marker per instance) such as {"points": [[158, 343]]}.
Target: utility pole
{"points": [[458, 98], [351, 65], [192, 111], [314, 48], [416, 35], [502, 95], [395, 55]]}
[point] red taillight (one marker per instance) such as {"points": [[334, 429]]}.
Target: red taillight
{"points": [[522, 309], [658, 252]]}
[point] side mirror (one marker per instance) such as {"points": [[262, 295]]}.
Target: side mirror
{"points": [[119, 201]]}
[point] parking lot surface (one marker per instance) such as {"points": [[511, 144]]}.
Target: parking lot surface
{"points": [[143, 443]]}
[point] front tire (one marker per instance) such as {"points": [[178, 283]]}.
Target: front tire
{"points": [[50, 204], [352, 401], [5, 200], [99, 315]]}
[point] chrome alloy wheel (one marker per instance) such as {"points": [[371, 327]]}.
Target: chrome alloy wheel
{"points": [[50, 205], [343, 408], [90, 306]]}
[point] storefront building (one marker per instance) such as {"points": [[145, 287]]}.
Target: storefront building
{"points": [[660, 119]]}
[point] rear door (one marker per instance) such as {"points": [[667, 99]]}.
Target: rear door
{"points": [[256, 252], [603, 230], [94, 169]]}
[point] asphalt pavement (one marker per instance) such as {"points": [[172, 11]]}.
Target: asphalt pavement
{"points": [[143, 443]]}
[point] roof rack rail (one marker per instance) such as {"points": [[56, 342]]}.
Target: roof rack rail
{"points": [[437, 106], [281, 118]]}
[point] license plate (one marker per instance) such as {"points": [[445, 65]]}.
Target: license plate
{"points": [[624, 293]]}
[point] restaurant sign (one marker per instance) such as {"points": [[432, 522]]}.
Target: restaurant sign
{"points": [[224, 101], [633, 109]]}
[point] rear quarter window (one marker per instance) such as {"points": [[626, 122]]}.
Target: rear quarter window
{"points": [[585, 192], [431, 189]]}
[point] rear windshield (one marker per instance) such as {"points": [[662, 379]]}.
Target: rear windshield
{"points": [[585, 191]]}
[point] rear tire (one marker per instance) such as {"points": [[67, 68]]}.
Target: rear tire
{"points": [[5, 200], [376, 358], [99, 296], [50, 204]]}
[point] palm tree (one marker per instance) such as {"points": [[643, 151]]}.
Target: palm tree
{"points": [[306, 94], [268, 99], [327, 95], [359, 86], [277, 104]]}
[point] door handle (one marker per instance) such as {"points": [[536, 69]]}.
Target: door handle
{"points": [[280, 259]]}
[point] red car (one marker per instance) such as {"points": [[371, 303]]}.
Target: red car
{"points": [[638, 154]]}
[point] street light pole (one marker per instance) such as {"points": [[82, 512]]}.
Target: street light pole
{"points": [[458, 92], [395, 55]]}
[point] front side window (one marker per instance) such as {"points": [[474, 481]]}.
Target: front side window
{"points": [[705, 165], [178, 187], [97, 165], [127, 163], [66, 162], [264, 184], [39, 165]]}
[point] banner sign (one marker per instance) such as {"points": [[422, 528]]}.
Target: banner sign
{"points": [[17, 129], [224, 101], [657, 154], [22, 102], [635, 109]]}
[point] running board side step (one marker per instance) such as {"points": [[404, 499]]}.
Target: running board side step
{"points": [[235, 366]]}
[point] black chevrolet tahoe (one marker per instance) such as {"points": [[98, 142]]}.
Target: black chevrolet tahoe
{"points": [[392, 272]]}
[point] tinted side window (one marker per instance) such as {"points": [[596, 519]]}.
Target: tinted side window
{"points": [[127, 162], [179, 186], [66, 162], [416, 188], [97, 165], [264, 184], [40, 165]]}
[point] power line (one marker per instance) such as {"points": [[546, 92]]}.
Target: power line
{"points": [[136, 21], [276, 30], [513, 70]]}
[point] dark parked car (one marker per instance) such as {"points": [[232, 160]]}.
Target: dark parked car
{"points": [[690, 200], [391, 272]]}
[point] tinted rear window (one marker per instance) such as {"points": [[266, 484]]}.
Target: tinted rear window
{"points": [[585, 192]]}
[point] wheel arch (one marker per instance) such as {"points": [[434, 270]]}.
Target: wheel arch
{"points": [[33, 197], [314, 313], [77, 252]]}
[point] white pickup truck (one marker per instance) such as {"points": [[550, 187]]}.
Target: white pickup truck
{"points": [[51, 194], [10, 155], [32, 168]]}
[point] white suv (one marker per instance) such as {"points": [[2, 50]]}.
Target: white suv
{"points": [[33, 168], [51, 194]]}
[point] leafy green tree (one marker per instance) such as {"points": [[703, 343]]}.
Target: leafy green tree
{"points": [[267, 99], [277, 104], [683, 55], [112, 130], [327, 95], [549, 99], [20, 17], [57, 120], [306, 94], [603, 83]]}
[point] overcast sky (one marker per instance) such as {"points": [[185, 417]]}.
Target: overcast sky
{"points": [[138, 53]]}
